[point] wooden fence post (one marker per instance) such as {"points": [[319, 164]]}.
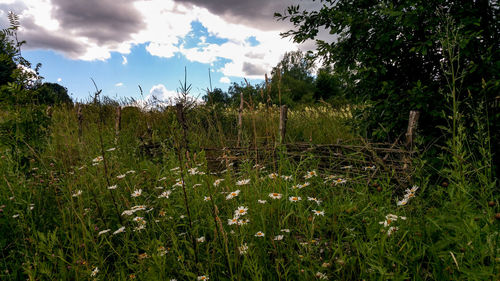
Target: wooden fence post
{"points": [[412, 127], [240, 120], [118, 122], [282, 126], [79, 115]]}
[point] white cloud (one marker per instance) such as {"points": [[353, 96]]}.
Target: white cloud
{"points": [[166, 23], [225, 80], [59, 79], [119, 84], [160, 92]]}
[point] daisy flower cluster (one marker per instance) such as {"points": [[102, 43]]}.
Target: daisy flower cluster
{"points": [[238, 213], [389, 223], [409, 193]]}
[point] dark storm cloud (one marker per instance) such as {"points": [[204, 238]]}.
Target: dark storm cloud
{"points": [[104, 21], [37, 37], [256, 13], [252, 69]]}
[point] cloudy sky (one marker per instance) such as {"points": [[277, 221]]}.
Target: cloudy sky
{"points": [[125, 43]]}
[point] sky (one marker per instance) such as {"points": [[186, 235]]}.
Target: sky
{"points": [[122, 44]]}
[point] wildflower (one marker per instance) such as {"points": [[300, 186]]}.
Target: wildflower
{"points": [[159, 187], [162, 251], [15, 216], [140, 227], [175, 169], [201, 239], [165, 194], [243, 249], [403, 202], [243, 182], [294, 198], [94, 272], [207, 198], [232, 221], [97, 159], [139, 220], [77, 193], [390, 218], [391, 230], [314, 199], [182, 216], [119, 230], [218, 181], [287, 178], [273, 176], [130, 172], [306, 184], [369, 168], [193, 171], [162, 213], [262, 201], [196, 185], [111, 149], [285, 230], [179, 183], [259, 234], [321, 276], [346, 167], [241, 211], [278, 237], [113, 186], [203, 277], [233, 194], [120, 176], [310, 174], [340, 181], [275, 195], [136, 193], [143, 256], [104, 231], [243, 221], [319, 213], [162, 179]]}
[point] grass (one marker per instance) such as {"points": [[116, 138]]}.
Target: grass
{"points": [[58, 220]]}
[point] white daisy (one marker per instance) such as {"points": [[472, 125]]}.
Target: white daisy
{"points": [[243, 182], [136, 193]]}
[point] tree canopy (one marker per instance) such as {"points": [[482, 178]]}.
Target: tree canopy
{"points": [[390, 54]]}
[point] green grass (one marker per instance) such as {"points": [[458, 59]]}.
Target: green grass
{"points": [[49, 232]]}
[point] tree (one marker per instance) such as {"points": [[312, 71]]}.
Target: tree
{"points": [[327, 86], [292, 80], [217, 96], [52, 93], [389, 54]]}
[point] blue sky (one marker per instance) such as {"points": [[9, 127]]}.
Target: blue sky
{"points": [[125, 43]]}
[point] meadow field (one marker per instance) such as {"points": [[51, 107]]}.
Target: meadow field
{"points": [[95, 204]]}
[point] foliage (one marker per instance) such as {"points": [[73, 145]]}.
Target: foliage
{"points": [[58, 221], [51, 93], [24, 130], [389, 53]]}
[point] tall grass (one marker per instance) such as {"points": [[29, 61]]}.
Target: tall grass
{"points": [[59, 222]]}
